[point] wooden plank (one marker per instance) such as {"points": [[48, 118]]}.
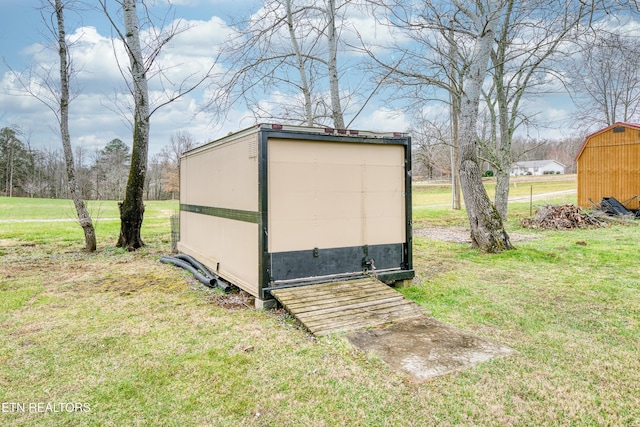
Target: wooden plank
{"points": [[358, 323], [330, 287], [346, 305], [395, 306], [366, 313], [310, 304], [326, 295], [342, 304]]}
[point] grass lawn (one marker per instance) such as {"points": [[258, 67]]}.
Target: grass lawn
{"points": [[140, 343]]}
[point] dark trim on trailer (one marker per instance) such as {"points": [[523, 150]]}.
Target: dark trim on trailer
{"points": [[394, 276], [408, 244], [330, 137], [294, 265], [235, 214], [264, 270]]}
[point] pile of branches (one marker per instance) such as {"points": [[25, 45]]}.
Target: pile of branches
{"points": [[561, 217]]}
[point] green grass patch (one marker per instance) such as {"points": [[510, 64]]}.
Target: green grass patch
{"points": [[13, 299], [142, 343], [49, 221], [19, 208]]}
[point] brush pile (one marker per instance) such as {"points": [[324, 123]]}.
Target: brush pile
{"points": [[562, 217]]}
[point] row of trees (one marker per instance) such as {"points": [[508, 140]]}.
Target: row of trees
{"points": [[480, 58], [486, 58], [54, 91], [100, 175], [432, 154]]}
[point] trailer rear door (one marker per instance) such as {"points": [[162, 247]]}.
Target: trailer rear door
{"points": [[334, 207]]}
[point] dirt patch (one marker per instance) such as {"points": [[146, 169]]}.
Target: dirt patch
{"points": [[425, 348], [235, 300], [459, 234]]}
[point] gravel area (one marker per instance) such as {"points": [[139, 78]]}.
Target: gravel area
{"points": [[459, 234]]}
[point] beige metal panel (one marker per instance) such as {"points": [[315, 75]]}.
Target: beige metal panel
{"points": [[222, 175], [326, 195], [228, 247]]}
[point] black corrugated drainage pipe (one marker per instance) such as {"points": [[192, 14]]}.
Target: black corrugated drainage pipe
{"points": [[198, 270]]}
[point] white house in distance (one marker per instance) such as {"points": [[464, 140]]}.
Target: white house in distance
{"points": [[537, 167]]}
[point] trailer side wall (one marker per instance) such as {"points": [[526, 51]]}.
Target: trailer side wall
{"points": [[219, 219]]}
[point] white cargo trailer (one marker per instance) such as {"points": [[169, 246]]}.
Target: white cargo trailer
{"points": [[278, 206]]}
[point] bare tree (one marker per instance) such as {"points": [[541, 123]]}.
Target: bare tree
{"points": [[487, 230], [141, 69], [35, 181], [430, 147], [55, 94], [529, 37], [453, 45], [607, 87], [330, 12], [179, 142], [83, 214], [289, 47]]}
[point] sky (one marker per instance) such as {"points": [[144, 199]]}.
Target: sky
{"points": [[95, 118], [96, 115]]}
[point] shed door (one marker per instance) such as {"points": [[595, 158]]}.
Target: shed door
{"points": [[334, 206]]}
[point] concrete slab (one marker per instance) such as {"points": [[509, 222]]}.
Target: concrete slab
{"points": [[424, 348], [265, 304]]}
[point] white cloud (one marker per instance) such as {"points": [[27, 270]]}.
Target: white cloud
{"points": [[94, 121], [383, 119], [191, 53], [202, 39]]}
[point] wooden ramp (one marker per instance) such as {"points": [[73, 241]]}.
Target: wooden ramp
{"points": [[347, 305]]}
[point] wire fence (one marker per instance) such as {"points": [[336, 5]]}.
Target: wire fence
{"points": [[175, 232]]}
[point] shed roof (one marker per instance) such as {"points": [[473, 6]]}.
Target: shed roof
{"points": [[536, 163], [598, 132]]}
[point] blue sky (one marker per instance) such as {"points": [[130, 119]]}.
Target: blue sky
{"points": [[94, 116], [94, 120]]}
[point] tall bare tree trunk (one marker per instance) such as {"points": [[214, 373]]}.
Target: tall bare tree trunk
{"points": [[83, 215], [334, 86], [455, 134], [487, 229], [132, 208], [304, 85], [455, 152]]}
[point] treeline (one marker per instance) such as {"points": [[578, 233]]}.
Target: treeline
{"points": [[432, 155], [101, 174]]}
